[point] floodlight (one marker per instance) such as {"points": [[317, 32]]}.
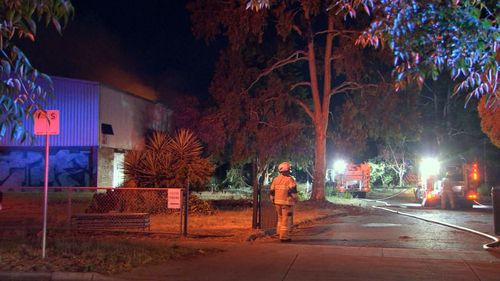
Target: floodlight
{"points": [[339, 166], [429, 167]]}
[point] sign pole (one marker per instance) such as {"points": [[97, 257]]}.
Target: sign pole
{"points": [[45, 195], [46, 123]]}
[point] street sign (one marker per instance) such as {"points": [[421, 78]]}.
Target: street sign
{"points": [[46, 122], [174, 198]]}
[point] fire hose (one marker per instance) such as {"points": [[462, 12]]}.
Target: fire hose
{"points": [[487, 246]]}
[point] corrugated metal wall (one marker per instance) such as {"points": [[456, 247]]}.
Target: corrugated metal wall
{"points": [[78, 105]]}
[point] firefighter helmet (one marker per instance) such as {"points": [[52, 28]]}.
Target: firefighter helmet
{"points": [[283, 167]]}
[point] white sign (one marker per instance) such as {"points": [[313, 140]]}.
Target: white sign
{"points": [[47, 122], [174, 198]]}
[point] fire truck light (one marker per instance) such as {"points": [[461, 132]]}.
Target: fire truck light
{"points": [[339, 166], [472, 196], [475, 172], [429, 167]]}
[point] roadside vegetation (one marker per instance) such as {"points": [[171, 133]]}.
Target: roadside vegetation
{"points": [[84, 254]]}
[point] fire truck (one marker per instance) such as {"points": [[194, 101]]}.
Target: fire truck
{"points": [[464, 178], [352, 178]]}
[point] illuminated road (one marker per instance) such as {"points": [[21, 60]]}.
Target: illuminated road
{"points": [[377, 228]]}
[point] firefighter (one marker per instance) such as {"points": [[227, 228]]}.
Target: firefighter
{"points": [[284, 195], [447, 192]]}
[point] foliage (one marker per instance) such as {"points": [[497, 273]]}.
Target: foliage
{"points": [[484, 190], [450, 131], [490, 121], [199, 206], [169, 162], [261, 127], [305, 45], [24, 89], [137, 201], [381, 116], [381, 172], [396, 154], [428, 37], [235, 179]]}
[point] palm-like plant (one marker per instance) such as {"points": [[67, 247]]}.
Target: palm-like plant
{"points": [[169, 162]]}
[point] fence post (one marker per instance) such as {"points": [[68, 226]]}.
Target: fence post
{"points": [[180, 212], [69, 191], [186, 210]]}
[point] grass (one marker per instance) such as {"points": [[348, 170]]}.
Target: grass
{"points": [[80, 254]]}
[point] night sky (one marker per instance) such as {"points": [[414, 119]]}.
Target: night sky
{"points": [[139, 46]]}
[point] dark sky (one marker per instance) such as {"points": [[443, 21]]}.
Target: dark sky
{"points": [[136, 45]]}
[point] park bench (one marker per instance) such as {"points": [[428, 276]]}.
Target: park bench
{"points": [[110, 221]]}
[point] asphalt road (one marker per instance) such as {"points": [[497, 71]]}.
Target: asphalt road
{"points": [[378, 228]]}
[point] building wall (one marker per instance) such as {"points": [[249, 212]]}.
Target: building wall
{"points": [[78, 105], [81, 155], [105, 167], [69, 166], [131, 117]]}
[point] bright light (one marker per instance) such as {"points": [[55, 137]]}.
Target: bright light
{"points": [[472, 196], [339, 166], [429, 167]]}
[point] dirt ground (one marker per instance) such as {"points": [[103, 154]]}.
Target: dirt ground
{"points": [[236, 225]]}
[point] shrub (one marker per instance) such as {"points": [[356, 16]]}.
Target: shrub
{"points": [[199, 206]]}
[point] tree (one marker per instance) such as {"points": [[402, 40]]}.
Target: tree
{"points": [[169, 162], [24, 89], [490, 121], [312, 38], [259, 128], [430, 36]]}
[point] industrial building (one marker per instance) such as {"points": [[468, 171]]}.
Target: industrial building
{"points": [[98, 124]]}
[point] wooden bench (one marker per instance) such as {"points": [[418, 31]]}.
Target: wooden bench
{"points": [[110, 221]]}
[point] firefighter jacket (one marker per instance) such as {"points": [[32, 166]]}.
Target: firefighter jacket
{"points": [[284, 190], [447, 184]]}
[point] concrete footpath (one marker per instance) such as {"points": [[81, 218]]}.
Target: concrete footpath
{"points": [[271, 260]]}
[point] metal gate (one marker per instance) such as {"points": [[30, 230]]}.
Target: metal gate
{"points": [[267, 213]]}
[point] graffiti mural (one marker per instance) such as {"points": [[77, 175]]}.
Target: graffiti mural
{"points": [[67, 167]]}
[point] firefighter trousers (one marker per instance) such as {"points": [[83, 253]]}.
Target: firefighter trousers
{"points": [[285, 221], [447, 196]]}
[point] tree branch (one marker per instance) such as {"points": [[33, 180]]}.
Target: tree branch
{"points": [[295, 57], [337, 32], [344, 87], [300, 84], [304, 106]]}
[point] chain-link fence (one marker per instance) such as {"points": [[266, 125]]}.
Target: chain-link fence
{"points": [[82, 209]]}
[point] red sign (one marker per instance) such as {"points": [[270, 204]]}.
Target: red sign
{"points": [[47, 122]]}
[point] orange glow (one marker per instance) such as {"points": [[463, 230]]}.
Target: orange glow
{"points": [[430, 196], [475, 172], [472, 196]]}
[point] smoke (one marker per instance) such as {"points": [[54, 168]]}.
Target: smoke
{"points": [[87, 50]]}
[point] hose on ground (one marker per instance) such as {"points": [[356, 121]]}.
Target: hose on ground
{"points": [[487, 246]]}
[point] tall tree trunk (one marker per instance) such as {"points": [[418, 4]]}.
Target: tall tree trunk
{"points": [[318, 189], [321, 104], [255, 187]]}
